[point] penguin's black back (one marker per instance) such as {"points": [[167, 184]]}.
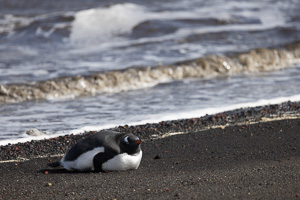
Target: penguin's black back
{"points": [[107, 139]]}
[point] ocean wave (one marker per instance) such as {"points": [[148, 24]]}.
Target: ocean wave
{"points": [[106, 26], [101, 25], [254, 61]]}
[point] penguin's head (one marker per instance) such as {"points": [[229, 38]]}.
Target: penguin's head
{"points": [[131, 144]]}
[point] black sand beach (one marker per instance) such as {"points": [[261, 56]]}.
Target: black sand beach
{"points": [[258, 160]]}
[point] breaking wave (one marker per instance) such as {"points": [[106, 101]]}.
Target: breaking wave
{"points": [[103, 23], [254, 61]]}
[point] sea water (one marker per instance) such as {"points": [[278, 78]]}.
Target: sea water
{"points": [[118, 62]]}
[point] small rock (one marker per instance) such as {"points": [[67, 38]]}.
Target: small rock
{"points": [[35, 132]]}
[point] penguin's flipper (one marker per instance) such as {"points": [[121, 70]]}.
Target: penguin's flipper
{"points": [[54, 164], [98, 160]]}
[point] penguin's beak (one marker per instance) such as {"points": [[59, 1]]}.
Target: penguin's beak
{"points": [[138, 141]]}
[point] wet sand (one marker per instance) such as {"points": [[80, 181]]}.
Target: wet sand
{"points": [[258, 161]]}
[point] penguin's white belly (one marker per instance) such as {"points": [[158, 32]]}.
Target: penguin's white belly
{"points": [[84, 162], [123, 162]]}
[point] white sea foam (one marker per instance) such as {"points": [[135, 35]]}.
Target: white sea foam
{"points": [[159, 118]]}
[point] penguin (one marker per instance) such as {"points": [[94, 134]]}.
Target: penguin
{"points": [[104, 151]]}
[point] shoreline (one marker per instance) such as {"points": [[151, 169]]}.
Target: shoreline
{"points": [[59, 145]]}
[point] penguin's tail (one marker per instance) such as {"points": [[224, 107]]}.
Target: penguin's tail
{"points": [[54, 164]]}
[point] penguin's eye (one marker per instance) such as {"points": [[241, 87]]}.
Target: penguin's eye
{"points": [[126, 140]]}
